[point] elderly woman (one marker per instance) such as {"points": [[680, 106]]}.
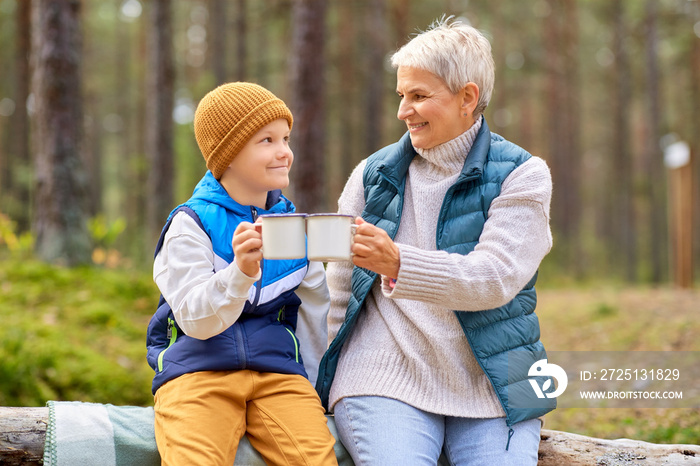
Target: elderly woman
{"points": [[429, 324]]}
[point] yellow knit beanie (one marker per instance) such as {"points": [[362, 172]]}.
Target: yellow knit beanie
{"points": [[227, 117]]}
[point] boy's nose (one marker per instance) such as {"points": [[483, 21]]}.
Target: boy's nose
{"points": [[284, 152]]}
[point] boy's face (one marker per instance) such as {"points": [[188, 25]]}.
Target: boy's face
{"points": [[261, 166]]}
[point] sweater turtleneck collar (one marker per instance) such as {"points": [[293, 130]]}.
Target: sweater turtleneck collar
{"points": [[448, 158]]}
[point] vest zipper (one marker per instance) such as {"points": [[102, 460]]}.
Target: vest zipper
{"points": [[509, 423], [296, 344], [172, 336], [280, 318], [240, 345], [238, 334], [258, 284], [510, 435]]}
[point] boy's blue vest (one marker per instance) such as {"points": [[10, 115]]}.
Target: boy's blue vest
{"points": [[262, 339], [505, 341]]}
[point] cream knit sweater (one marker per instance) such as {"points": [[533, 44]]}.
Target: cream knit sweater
{"points": [[407, 343]]}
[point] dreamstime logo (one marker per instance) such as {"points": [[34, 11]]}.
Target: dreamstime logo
{"points": [[543, 368]]}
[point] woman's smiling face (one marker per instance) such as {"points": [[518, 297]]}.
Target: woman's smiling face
{"points": [[433, 114]]}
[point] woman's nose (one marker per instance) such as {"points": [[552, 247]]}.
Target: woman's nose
{"points": [[404, 110]]}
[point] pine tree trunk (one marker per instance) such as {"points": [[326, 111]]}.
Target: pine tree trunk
{"points": [[554, 114], [376, 53], [217, 30], [656, 186], [622, 166], [60, 221], [563, 116], [21, 158], [349, 150], [571, 112], [307, 104], [159, 125], [241, 40], [694, 59]]}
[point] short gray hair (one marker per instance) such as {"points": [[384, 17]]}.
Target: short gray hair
{"points": [[455, 52]]}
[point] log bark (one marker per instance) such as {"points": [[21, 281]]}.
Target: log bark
{"points": [[557, 448], [22, 433]]}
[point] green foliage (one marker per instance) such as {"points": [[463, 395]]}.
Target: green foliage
{"points": [[17, 245], [103, 232], [73, 334], [605, 310], [673, 434]]}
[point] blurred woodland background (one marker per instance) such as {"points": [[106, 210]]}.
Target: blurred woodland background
{"points": [[97, 146], [97, 99]]}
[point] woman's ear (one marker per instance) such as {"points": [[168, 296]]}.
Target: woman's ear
{"points": [[470, 98]]}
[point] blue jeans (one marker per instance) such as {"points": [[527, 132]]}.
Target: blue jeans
{"points": [[383, 431]]}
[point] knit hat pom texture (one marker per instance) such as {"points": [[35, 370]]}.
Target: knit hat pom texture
{"points": [[228, 116]]}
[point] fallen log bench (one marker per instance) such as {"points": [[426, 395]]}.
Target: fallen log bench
{"points": [[22, 435], [23, 432]]}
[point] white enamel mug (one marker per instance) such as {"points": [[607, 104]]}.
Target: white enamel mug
{"points": [[329, 237], [283, 236]]}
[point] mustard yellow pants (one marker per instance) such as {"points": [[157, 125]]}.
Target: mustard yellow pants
{"points": [[201, 417]]}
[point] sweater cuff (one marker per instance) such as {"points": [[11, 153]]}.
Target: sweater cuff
{"points": [[418, 275], [234, 283]]}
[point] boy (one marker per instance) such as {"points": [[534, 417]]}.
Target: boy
{"points": [[222, 342]]}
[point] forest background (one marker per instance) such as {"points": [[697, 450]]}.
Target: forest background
{"points": [[97, 146], [599, 89]]}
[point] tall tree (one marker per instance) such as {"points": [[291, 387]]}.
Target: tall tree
{"points": [[123, 105], [653, 158], [21, 158], [60, 222], [261, 42], [623, 218], [241, 40], [554, 104], [306, 65], [400, 11], [347, 56], [376, 53], [159, 128], [563, 109], [93, 129], [217, 17], [571, 112], [694, 60], [136, 170]]}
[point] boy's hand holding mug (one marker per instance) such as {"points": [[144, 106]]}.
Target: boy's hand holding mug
{"points": [[247, 247]]}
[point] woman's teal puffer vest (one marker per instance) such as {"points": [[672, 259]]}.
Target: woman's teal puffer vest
{"points": [[505, 340]]}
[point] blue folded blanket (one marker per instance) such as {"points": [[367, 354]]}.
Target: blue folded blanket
{"points": [[108, 435]]}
